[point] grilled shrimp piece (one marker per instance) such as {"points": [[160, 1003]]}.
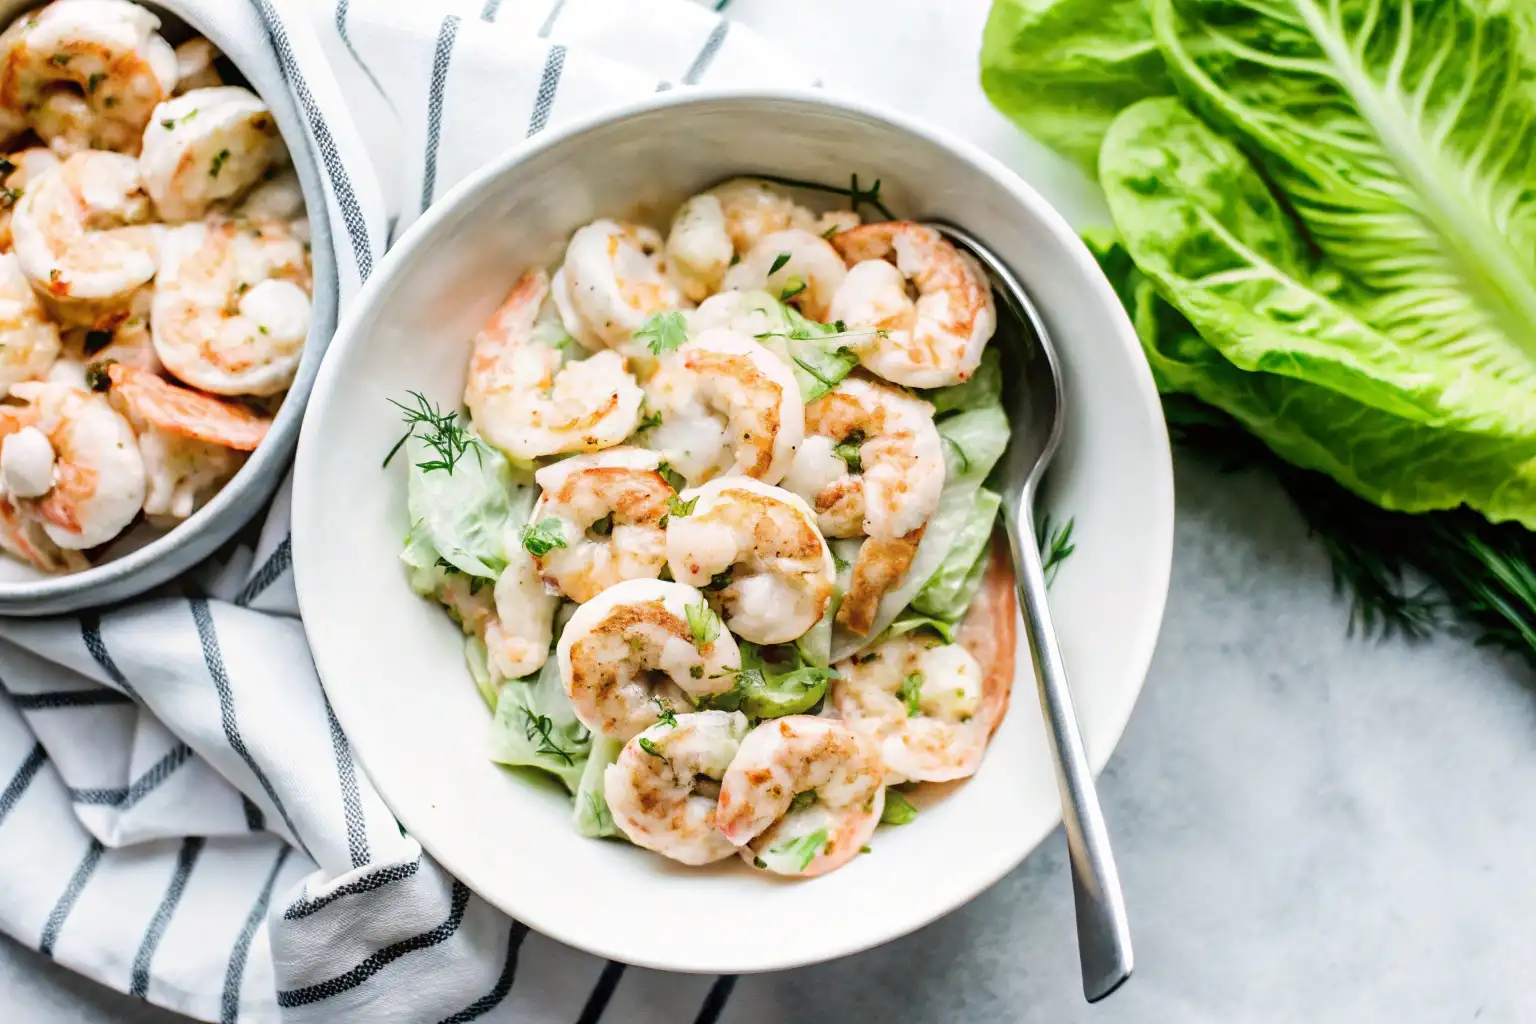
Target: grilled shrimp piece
{"points": [[206, 146], [20, 169], [932, 342], [800, 267], [231, 306], [728, 406], [874, 466], [922, 700], [277, 195], [29, 341], [711, 228], [607, 509], [757, 549], [82, 236], [195, 65], [70, 461], [527, 401], [25, 538], [662, 793], [613, 278], [86, 74], [518, 636], [638, 640], [763, 803], [192, 443]]}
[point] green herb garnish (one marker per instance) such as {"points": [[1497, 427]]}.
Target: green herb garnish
{"points": [[910, 692], [664, 713], [539, 729], [440, 432], [802, 801], [673, 478], [703, 623], [794, 286], [663, 332], [1055, 546], [218, 162], [540, 538], [92, 81], [650, 748], [855, 194], [603, 527], [95, 341], [898, 810], [804, 849], [778, 262], [848, 450]]}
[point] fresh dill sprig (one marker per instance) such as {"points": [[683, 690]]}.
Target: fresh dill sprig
{"points": [[855, 194], [1055, 546], [538, 729], [440, 431]]}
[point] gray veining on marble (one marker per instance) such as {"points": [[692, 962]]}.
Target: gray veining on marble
{"points": [[1311, 827]]}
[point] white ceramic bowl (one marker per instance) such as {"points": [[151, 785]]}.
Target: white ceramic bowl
{"points": [[392, 662], [150, 557]]}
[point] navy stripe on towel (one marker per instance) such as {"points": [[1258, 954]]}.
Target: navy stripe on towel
{"points": [[383, 958], [554, 65], [214, 660], [271, 570], [706, 56], [304, 906], [90, 633], [51, 699], [441, 58], [602, 992], [60, 912], [22, 779], [488, 1002], [352, 804], [139, 985], [714, 1003], [123, 798], [234, 976]]}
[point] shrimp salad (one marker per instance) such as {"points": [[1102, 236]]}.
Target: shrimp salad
{"points": [[712, 518], [154, 279]]}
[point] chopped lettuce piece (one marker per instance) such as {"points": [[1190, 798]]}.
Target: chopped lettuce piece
{"points": [[466, 514], [591, 813], [773, 682], [536, 727], [814, 351], [478, 661], [909, 620], [898, 809], [949, 591], [985, 388]]}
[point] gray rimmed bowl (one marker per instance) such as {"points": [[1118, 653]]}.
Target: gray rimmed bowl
{"points": [[24, 590]]}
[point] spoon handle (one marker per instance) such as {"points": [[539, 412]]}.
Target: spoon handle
{"points": [[1103, 932]]}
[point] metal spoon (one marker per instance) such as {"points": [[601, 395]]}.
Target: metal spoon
{"points": [[1036, 412]]}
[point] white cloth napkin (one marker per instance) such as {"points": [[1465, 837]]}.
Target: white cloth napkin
{"points": [[181, 817]]}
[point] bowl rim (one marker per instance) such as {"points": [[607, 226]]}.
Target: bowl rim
{"points": [[258, 478], [307, 502]]}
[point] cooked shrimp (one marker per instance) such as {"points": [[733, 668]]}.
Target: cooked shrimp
{"points": [[638, 640], [763, 807], [128, 343], [86, 74], [872, 462], [82, 235], [727, 406], [922, 700], [29, 341], [880, 565], [25, 538], [277, 195], [757, 549], [195, 68], [71, 461], [517, 638], [608, 508], [20, 169], [801, 268], [729, 220], [206, 146], [231, 307], [521, 398], [662, 793], [613, 278], [934, 341]]}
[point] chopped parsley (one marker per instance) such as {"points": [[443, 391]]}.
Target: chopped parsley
{"points": [[93, 81], [602, 527], [840, 562], [848, 451], [703, 623], [218, 162], [441, 433], [664, 713], [96, 376], [802, 801], [720, 580], [648, 420], [673, 478], [794, 286], [6, 167], [540, 538], [911, 691], [663, 332], [778, 262], [679, 508], [650, 748], [804, 849], [60, 60], [898, 810]]}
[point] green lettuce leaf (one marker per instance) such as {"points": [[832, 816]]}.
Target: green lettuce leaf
{"points": [[773, 682], [466, 514], [1062, 69], [535, 727], [1261, 329], [814, 351], [953, 585], [591, 814], [985, 388]]}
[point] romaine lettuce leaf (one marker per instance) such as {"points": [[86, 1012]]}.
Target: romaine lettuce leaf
{"points": [[983, 389], [773, 682], [535, 727], [812, 350], [1062, 69], [591, 814], [949, 591], [465, 514]]}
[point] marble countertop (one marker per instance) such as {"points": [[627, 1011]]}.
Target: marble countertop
{"points": [[1310, 826]]}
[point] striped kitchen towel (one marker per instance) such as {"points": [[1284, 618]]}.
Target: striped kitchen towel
{"points": [[181, 816]]}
